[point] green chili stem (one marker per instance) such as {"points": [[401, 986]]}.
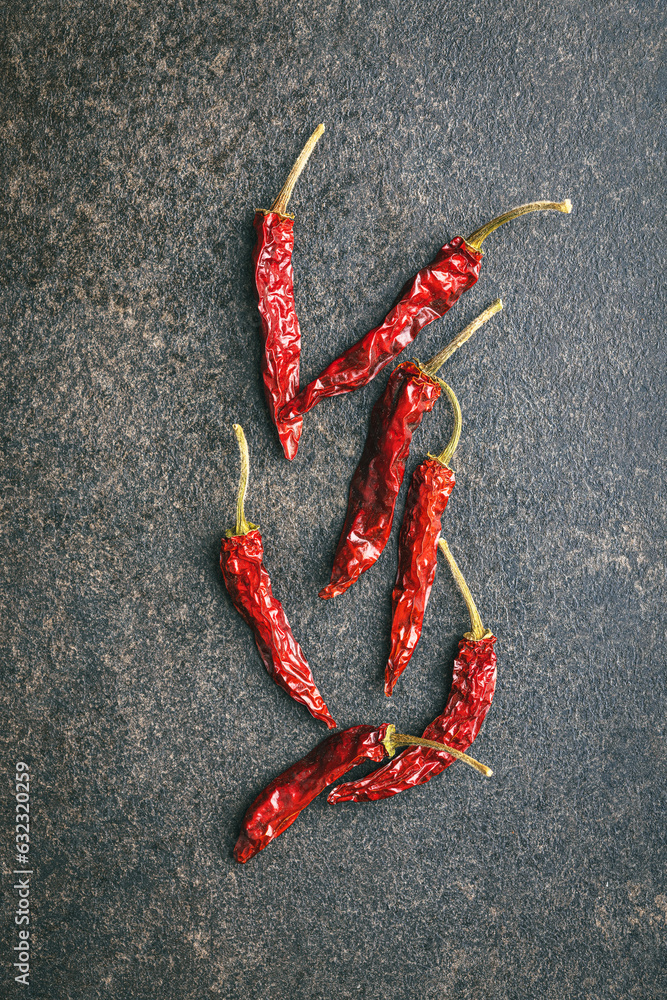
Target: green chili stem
{"points": [[445, 456], [280, 204], [242, 526], [393, 740], [475, 241], [477, 629], [438, 360]]}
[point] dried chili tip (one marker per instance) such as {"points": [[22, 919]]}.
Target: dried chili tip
{"points": [[274, 281], [249, 586]]}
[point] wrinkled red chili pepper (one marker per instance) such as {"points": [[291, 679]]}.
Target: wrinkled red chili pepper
{"points": [[430, 489], [378, 477], [473, 685], [410, 393], [428, 296], [281, 802], [274, 278], [249, 586]]}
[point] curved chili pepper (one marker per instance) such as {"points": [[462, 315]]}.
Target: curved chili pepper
{"points": [[431, 486], [430, 489], [281, 802], [274, 278], [410, 393], [473, 685], [430, 294], [249, 586], [286, 796]]}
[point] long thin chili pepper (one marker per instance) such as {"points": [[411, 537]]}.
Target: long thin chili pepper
{"points": [[281, 802], [430, 489], [410, 393], [473, 685], [426, 297], [274, 278], [249, 586]]}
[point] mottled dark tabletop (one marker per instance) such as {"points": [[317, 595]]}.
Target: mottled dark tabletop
{"points": [[137, 139]]}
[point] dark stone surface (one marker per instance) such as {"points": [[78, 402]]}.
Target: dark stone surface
{"points": [[137, 139]]}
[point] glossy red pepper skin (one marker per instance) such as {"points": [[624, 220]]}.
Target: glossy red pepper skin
{"points": [[470, 698], [281, 336], [378, 477], [287, 796], [249, 586], [428, 296], [430, 489]]}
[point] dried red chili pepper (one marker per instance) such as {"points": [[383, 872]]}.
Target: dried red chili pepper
{"points": [[430, 294], [377, 479], [410, 393], [249, 586], [281, 802], [473, 685], [274, 278], [430, 489]]}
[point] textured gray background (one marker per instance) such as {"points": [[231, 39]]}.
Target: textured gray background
{"points": [[137, 139]]}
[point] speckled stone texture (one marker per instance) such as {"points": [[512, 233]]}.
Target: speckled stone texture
{"points": [[137, 140]]}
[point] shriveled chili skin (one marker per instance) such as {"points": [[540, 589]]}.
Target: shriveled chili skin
{"points": [[428, 296], [287, 796], [377, 479], [281, 336], [470, 698], [430, 489], [249, 586]]}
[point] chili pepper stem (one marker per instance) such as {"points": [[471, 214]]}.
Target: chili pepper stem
{"points": [[242, 526], [477, 629], [393, 740], [445, 456], [280, 204], [438, 360], [475, 241]]}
